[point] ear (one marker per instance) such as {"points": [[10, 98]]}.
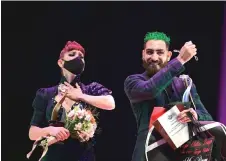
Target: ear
{"points": [[83, 61], [143, 54], [169, 54], [60, 63]]}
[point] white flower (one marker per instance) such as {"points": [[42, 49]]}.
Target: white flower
{"points": [[80, 114], [71, 114], [88, 117], [78, 126], [90, 132], [83, 111], [91, 129]]}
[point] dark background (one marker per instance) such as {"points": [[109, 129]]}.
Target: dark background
{"points": [[33, 34]]}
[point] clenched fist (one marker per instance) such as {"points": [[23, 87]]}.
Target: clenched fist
{"points": [[187, 52]]}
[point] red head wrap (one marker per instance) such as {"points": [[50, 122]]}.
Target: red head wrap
{"points": [[72, 45]]}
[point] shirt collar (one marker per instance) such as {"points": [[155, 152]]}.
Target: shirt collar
{"points": [[74, 81]]}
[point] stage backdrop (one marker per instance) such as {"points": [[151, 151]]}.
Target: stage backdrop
{"points": [[222, 87], [34, 33]]}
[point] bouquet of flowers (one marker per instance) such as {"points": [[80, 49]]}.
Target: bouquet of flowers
{"points": [[81, 124]]}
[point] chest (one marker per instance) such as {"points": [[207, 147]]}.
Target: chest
{"points": [[66, 105], [173, 93]]}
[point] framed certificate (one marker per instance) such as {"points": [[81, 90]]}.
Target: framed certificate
{"points": [[174, 132]]}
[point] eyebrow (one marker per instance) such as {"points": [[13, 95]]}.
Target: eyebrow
{"points": [[155, 50], [79, 52]]}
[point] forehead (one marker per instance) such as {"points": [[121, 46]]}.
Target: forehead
{"points": [[74, 51], [155, 44]]}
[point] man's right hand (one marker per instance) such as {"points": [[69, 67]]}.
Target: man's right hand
{"points": [[187, 52], [60, 133]]}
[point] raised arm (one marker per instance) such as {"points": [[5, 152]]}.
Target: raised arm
{"points": [[138, 89], [103, 102], [96, 95]]}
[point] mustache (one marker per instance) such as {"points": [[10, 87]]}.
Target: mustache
{"points": [[151, 62], [152, 67]]}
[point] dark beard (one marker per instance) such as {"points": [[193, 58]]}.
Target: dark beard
{"points": [[153, 68]]}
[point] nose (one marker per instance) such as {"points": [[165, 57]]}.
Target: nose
{"points": [[154, 57]]}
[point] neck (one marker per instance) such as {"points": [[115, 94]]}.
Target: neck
{"points": [[69, 76]]}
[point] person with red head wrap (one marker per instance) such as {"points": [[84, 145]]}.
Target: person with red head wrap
{"points": [[72, 45], [72, 64]]}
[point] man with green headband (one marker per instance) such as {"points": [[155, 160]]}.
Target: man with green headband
{"points": [[159, 86]]}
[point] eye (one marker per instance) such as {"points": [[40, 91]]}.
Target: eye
{"points": [[149, 52], [72, 54], [81, 55], [160, 52]]}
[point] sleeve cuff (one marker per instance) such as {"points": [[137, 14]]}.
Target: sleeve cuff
{"points": [[177, 65]]}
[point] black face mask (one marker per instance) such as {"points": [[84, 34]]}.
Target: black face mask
{"points": [[75, 66]]}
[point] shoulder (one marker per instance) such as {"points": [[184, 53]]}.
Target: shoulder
{"points": [[46, 92], [178, 79], [95, 85], [134, 78], [180, 82], [182, 79], [96, 88]]}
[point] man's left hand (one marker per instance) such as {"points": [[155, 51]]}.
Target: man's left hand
{"points": [[183, 118], [73, 93]]}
